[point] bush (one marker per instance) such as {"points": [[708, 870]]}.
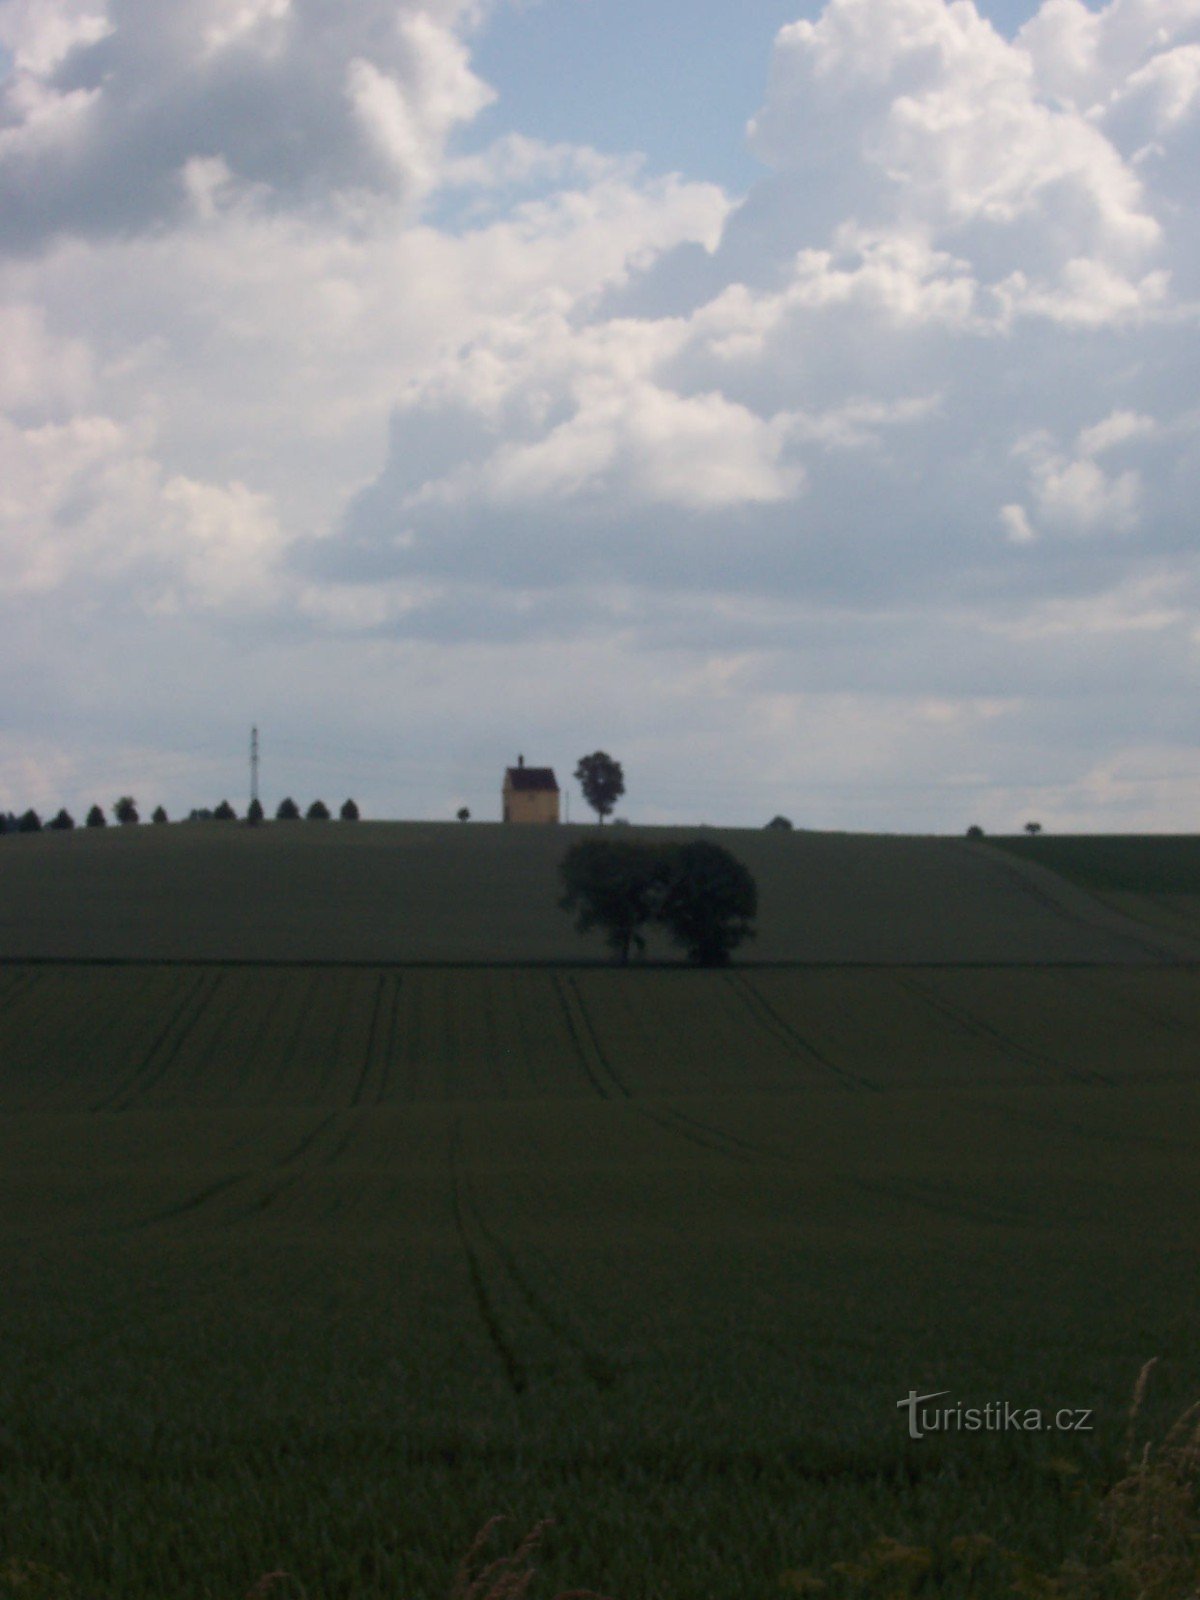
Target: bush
{"points": [[29, 822], [159, 815], [224, 813], [349, 812], [317, 812], [63, 821], [780, 822], [96, 818], [974, 831], [288, 811]]}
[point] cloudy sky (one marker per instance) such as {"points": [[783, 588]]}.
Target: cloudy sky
{"points": [[798, 402]]}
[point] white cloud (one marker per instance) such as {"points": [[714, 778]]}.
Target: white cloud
{"points": [[888, 444]]}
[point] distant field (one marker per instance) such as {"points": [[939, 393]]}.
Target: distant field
{"points": [[317, 1269], [404, 892], [1154, 878]]}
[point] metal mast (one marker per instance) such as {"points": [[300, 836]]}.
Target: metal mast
{"points": [[253, 765]]}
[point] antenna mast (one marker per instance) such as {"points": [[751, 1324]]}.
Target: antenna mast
{"points": [[253, 765]]}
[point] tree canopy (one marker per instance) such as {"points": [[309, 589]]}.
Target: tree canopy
{"points": [[254, 812], [602, 782], [125, 811], [159, 814], [318, 812], [615, 886], [96, 818], [62, 822], [698, 892], [225, 813], [349, 811], [288, 810]]}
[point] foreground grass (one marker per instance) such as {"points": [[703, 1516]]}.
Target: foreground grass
{"points": [[315, 1274]]}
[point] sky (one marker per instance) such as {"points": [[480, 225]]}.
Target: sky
{"points": [[797, 402]]}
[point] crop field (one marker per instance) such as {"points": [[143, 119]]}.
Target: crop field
{"points": [[388, 892], [316, 1268]]}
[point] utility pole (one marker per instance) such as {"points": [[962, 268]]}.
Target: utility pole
{"points": [[253, 765]]}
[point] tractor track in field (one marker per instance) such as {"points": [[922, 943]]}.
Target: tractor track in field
{"points": [[777, 1027], [708, 1136], [1057, 1126], [966, 1022], [219, 1186], [164, 1047], [514, 1367], [588, 1049], [372, 1030], [1135, 1008], [936, 1198], [594, 1365], [389, 1050]]}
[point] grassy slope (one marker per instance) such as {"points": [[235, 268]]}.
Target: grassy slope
{"points": [[1153, 878], [431, 891]]}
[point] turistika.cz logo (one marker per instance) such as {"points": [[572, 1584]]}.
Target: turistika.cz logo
{"points": [[997, 1416]]}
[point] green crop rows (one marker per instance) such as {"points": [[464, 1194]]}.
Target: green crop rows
{"points": [[317, 1268]]}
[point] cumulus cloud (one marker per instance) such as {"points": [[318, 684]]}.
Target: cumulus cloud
{"points": [[286, 351]]}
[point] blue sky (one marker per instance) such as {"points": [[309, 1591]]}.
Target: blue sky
{"points": [[677, 81], [798, 403]]}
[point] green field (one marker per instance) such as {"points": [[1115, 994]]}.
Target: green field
{"points": [[316, 1267]]}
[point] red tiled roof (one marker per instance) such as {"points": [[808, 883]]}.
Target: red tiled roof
{"points": [[525, 778]]}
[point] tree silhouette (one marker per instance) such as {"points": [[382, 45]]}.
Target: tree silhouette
{"points": [[602, 782], [224, 813], [349, 812], [463, 813], [96, 818], [974, 831], [63, 821], [125, 811], [159, 814], [29, 822], [709, 903], [317, 812], [783, 823], [616, 887], [1033, 827], [254, 812], [288, 811]]}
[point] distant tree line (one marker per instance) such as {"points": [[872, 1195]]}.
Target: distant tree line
{"points": [[125, 813], [704, 897]]}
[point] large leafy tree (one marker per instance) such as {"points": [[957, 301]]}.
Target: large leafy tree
{"points": [[125, 811], [710, 902], [96, 818], [613, 886], [602, 782]]}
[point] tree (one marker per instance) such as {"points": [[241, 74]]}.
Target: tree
{"points": [[1033, 827], [125, 811], [783, 823], [614, 886], [318, 812], [96, 818], [254, 812], [463, 813], [159, 814], [602, 782], [349, 812], [62, 822], [709, 901], [224, 813], [974, 831], [200, 814], [288, 811], [29, 822]]}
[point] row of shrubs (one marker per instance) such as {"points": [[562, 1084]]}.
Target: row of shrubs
{"points": [[125, 812]]}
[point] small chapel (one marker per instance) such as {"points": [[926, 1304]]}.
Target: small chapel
{"points": [[530, 794]]}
